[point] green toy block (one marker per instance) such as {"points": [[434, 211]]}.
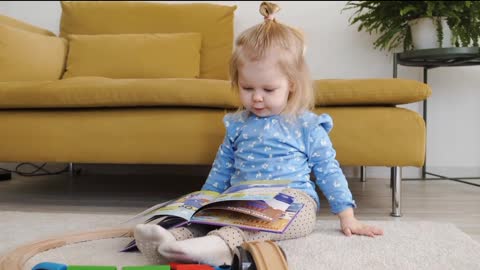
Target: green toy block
{"points": [[90, 267], [147, 267]]}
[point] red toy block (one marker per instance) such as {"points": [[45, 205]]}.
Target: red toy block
{"points": [[179, 266]]}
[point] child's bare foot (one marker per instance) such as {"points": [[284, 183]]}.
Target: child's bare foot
{"points": [[149, 238], [208, 249]]}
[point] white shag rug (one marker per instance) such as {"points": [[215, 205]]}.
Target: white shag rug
{"points": [[405, 245]]}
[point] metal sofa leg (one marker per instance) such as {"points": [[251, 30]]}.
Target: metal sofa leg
{"points": [[71, 169], [396, 184], [363, 173]]}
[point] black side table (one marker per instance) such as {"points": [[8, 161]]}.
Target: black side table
{"points": [[433, 58]]}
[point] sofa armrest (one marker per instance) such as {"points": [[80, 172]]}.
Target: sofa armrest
{"points": [[336, 92]]}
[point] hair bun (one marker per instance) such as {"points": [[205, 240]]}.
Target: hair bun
{"points": [[268, 10]]}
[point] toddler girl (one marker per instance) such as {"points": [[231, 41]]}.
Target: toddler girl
{"points": [[273, 136]]}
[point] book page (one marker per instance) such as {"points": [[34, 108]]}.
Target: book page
{"points": [[183, 207], [253, 190], [258, 209], [219, 217], [262, 199]]}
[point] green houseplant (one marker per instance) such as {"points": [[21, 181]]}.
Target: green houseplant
{"points": [[391, 20]]}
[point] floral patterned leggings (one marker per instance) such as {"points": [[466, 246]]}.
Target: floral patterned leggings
{"points": [[302, 225]]}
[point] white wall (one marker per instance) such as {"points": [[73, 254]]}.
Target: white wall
{"points": [[337, 50]]}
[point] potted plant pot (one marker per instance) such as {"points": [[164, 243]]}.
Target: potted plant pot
{"points": [[425, 34]]}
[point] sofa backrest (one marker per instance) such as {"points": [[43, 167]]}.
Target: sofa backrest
{"points": [[214, 22]]}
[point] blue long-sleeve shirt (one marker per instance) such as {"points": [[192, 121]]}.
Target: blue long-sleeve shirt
{"points": [[276, 148]]}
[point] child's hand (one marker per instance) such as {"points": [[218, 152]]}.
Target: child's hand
{"points": [[353, 226], [350, 225]]}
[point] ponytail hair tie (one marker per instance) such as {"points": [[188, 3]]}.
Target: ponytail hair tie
{"points": [[269, 17]]}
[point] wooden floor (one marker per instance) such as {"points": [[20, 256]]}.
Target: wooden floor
{"points": [[431, 200]]}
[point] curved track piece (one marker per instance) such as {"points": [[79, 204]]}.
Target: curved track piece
{"points": [[16, 259], [260, 255]]}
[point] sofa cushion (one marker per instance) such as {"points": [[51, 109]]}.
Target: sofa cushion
{"points": [[104, 92], [27, 56], [134, 55], [9, 21], [214, 22], [337, 92], [80, 92]]}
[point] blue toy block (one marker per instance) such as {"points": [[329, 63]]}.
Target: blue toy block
{"points": [[91, 267], [49, 266]]}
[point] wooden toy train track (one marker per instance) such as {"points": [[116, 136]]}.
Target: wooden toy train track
{"points": [[250, 255], [16, 259], [259, 255]]}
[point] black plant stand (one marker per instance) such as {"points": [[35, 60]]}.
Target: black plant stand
{"points": [[433, 58]]}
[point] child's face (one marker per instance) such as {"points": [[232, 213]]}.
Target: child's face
{"points": [[264, 88]]}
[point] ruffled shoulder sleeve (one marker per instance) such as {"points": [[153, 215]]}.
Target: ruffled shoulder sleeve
{"points": [[325, 121], [317, 128], [314, 121]]}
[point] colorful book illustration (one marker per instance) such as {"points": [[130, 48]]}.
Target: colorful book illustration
{"points": [[252, 205]]}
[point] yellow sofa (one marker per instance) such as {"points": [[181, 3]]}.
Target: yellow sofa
{"points": [[147, 83]]}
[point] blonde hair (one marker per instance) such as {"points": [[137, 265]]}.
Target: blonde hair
{"points": [[254, 43]]}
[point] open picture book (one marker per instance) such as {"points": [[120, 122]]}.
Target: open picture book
{"points": [[252, 205]]}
